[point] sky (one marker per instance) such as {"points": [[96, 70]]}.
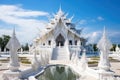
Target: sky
{"points": [[29, 17]]}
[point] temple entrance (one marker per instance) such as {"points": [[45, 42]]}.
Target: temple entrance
{"points": [[60, 40]]}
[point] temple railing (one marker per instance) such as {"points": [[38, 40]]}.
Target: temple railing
{"points": [[92, 72], [19, 52], [117, 78], [74, 46], [74, 49], [45, 46]]}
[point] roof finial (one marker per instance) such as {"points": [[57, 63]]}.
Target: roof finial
{"points": [[13, 31], [60, 12], [71, 18], [66, 14], [60, 9], [104, 31]]}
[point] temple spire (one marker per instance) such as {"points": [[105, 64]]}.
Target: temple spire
{"points": [[13, 45], [60, 8], [104, 32], [66, 14], [14, 32], [70, 19], [60, 12], [104, 45]]}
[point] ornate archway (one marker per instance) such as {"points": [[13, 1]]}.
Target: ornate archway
{"points": [[60, 40]]}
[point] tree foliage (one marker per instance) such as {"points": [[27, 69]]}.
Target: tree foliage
{"points": [[25, 47], [112, 49], [95, 47], [3, 41]]}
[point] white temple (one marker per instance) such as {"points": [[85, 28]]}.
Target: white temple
{"points": [[60, 39], [60, 42]]}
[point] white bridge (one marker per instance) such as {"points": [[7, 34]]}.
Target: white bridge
{"points": [[58, 62]]}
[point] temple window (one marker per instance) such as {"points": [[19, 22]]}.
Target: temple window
{"points": [[43, 44], [75, 42], [70, 42], [81, 43], [49, 42], [52, 23]]}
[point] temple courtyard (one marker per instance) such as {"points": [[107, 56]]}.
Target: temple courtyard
{"points": [[115, 66]]}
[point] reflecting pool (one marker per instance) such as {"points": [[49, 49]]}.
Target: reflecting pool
{"points": [[58, 73]]}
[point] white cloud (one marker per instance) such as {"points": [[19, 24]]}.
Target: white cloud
{"points": [[93, 20], [114, 36], [93, 37], [4, 31], [100, 18], [12, 10], [114, 33], [23, 19], [82, 21]]}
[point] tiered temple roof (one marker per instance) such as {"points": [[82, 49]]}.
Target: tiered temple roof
{"points": [[61, 17]]}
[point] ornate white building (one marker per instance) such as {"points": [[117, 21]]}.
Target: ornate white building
{"points": [[60, 39]]}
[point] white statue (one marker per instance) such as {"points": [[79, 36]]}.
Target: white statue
{"points": [[13, 45], [21, 50], [30, 49], [83, 61], [104, 45], [5, 50], [35, 62], [13, 73], [117, 49], [0, 49]]}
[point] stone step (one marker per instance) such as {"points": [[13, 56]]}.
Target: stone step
{"points": [[59, 54]]}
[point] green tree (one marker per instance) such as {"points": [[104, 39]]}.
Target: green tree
{"points": [[3, 41], [25, 47], [113, 47], [95, 47]]}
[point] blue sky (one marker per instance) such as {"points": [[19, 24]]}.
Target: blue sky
{"points": [[92, 15]]}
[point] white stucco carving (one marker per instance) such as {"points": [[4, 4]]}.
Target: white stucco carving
{"points": [[104, 45], [69, 42], [13, 45]]}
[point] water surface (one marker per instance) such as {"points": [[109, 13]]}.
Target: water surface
{"points": [[58, 73]]}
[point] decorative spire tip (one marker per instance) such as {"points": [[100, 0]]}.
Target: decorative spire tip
{"points": [[14, 31]]}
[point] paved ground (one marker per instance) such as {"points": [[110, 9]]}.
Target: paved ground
{"points": [[115, 66], [3, 67]]}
